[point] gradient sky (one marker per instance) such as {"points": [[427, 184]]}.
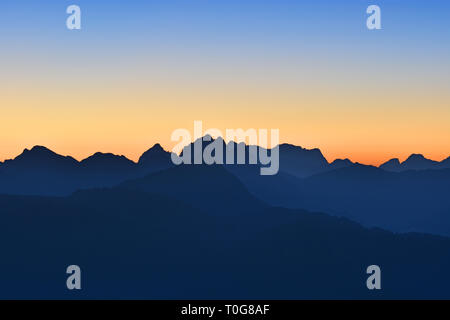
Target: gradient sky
{"points": [[140, 69]]}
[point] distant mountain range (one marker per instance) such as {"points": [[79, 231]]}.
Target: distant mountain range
{"points": [[40, 171], [402, 197], [294, 160]]}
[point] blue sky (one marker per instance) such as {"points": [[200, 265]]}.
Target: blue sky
{"points": [[297, 63]]}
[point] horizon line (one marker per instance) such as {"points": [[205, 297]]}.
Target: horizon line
{"points": [[80, 159]]}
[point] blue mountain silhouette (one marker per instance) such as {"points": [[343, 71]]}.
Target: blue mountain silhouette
{"points": [[301, 162], [155, 158], [405, 201], [154, 230], [107, 162], [40, 171], [340, 163], [393, 165], [414, 162], [39, 158], [397, 196]]}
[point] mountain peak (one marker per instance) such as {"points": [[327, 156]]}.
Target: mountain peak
{"points": [[155, 154], [157, 147], [301, 162], [39, 148], [392, 165], [41, 156], [418, 158], [342, 161], [415, 156], [39, 152], [393, 161], [100, 156], [417, 161], [104, 161]]}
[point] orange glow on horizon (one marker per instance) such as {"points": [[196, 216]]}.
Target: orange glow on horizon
{"points": [[128, 119]]}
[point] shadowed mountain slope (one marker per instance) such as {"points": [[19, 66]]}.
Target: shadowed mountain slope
{"points": [[405, 201], [210, 188], [139, 245]]}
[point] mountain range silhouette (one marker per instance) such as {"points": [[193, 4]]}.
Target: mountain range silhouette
{"points": [[155, 230], [295, 160]]}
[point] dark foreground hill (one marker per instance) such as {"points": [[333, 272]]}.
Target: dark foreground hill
{"points": [[134, 244]]}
